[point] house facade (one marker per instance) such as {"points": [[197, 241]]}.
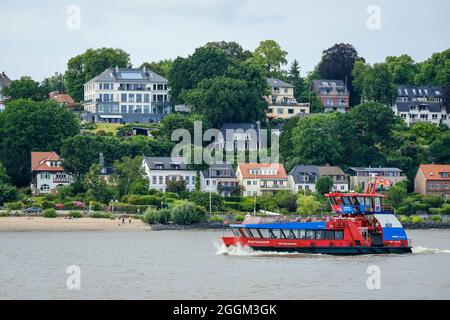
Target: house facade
{"points": [[333, 94], [421, 104], [303, 178], [47, 173], [360, 177], [221, 179], [161, 170], [126, 95], [239, 136], [4, 82], [433, 179], [282, 103], [262, 178]]}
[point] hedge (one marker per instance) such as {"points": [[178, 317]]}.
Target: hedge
{"points": [[49, 213]]}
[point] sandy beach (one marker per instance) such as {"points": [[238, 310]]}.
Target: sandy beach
{"points": [[62, 224]]}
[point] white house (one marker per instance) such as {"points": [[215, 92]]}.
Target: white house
{"points": [[261, 178], [126, 95], [47, 173], [305, 177], [421, 104], [219, 178], [4, 82], [161, 170]]}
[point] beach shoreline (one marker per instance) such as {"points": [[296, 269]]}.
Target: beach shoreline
{"points": [[64, 224]]}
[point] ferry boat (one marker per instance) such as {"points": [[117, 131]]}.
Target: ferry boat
{"points": [[361, 225]]}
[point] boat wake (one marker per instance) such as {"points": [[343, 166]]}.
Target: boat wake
{"points": [[423, 250], [243, 251]]}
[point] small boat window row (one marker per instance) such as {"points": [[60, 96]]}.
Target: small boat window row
{"points": [[289, 234]]}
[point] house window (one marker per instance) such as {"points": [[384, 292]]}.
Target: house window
{"points": [[161, 179], [45, 188], [291, 111], [154, 179], [45, 175]]}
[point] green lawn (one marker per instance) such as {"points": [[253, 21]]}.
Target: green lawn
{"points": [[107, 127]]}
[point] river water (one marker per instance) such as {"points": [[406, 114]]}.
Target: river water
{"points": [[193, 265]]}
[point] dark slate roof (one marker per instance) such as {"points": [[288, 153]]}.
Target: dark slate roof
{"points": [[374, 169], [299, 171], [330, 171], [424, 91], [431, 106], [4, 80], [328, 84], [218, 167], [167, 163], [129, 75], [273, 82], [107, 171]]}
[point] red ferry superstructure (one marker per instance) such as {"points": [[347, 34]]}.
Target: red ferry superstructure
{"points": [[361, 226]]}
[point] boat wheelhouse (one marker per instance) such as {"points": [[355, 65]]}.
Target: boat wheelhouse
{"points": [[362, 225]]}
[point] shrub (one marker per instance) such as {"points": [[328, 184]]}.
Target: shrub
{"points": [[96, 206], [101, 215], [402, 210], [47, 205], [433, 201], [153, 216], [436, 218], [187, 213], [144, 200], [233, 199], [445, 209], [75, 214], [239, 217], [216, 218], [202, 199], [405, 219], [4, 214], [434, 211], [416, 219], [13, 206], [49, 213]]}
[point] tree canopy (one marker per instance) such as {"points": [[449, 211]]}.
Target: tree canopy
{"points": [[89, 64], [27, 126]]}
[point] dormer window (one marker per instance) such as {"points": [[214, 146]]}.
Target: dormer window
{"points": [[444, 175], [159, 166]]}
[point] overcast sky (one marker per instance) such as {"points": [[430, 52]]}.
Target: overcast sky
{"points": [[35, 39]]}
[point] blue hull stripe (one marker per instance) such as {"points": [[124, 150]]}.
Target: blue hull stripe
{"points": [[393, 234]]}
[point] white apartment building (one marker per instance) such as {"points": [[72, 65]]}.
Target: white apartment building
{"points": [[4, 82], [126, 95], [221, 179], [421, 104], [262, 178], [161, 170]]}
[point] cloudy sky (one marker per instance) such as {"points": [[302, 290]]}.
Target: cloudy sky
{"points": [[38, 37]]}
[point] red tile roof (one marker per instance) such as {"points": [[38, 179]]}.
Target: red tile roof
{"points": [[246, 167], [433, 171], [61, 98], [39, 159]]}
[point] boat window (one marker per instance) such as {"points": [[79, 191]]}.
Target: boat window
{"points": [[339, 201], [329, 235], [250, 233], [346, 200], [332, 201], [301, 234], [265, 233], [272, 234], [320, 235], [282, 234], [290, 234], [361, 200], [245, 233], [255, 233], [236, 232], [310, 235], [339, 235], [378, 202]]}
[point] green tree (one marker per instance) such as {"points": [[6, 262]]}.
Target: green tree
{"points": [[220, 100], [307, 205], [96, 186], [231, 49], [324, 185], [286, 200], [129, 176], [435, 70], [402, 69], [25, 88], [84, 67], [7, 191], [378, 84], [270, 56], [176, 187], [337, 64], [53, 83], [296, 80], [27, 126], [397, 194], [202, 199], [187, 213], [161, 67]]}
